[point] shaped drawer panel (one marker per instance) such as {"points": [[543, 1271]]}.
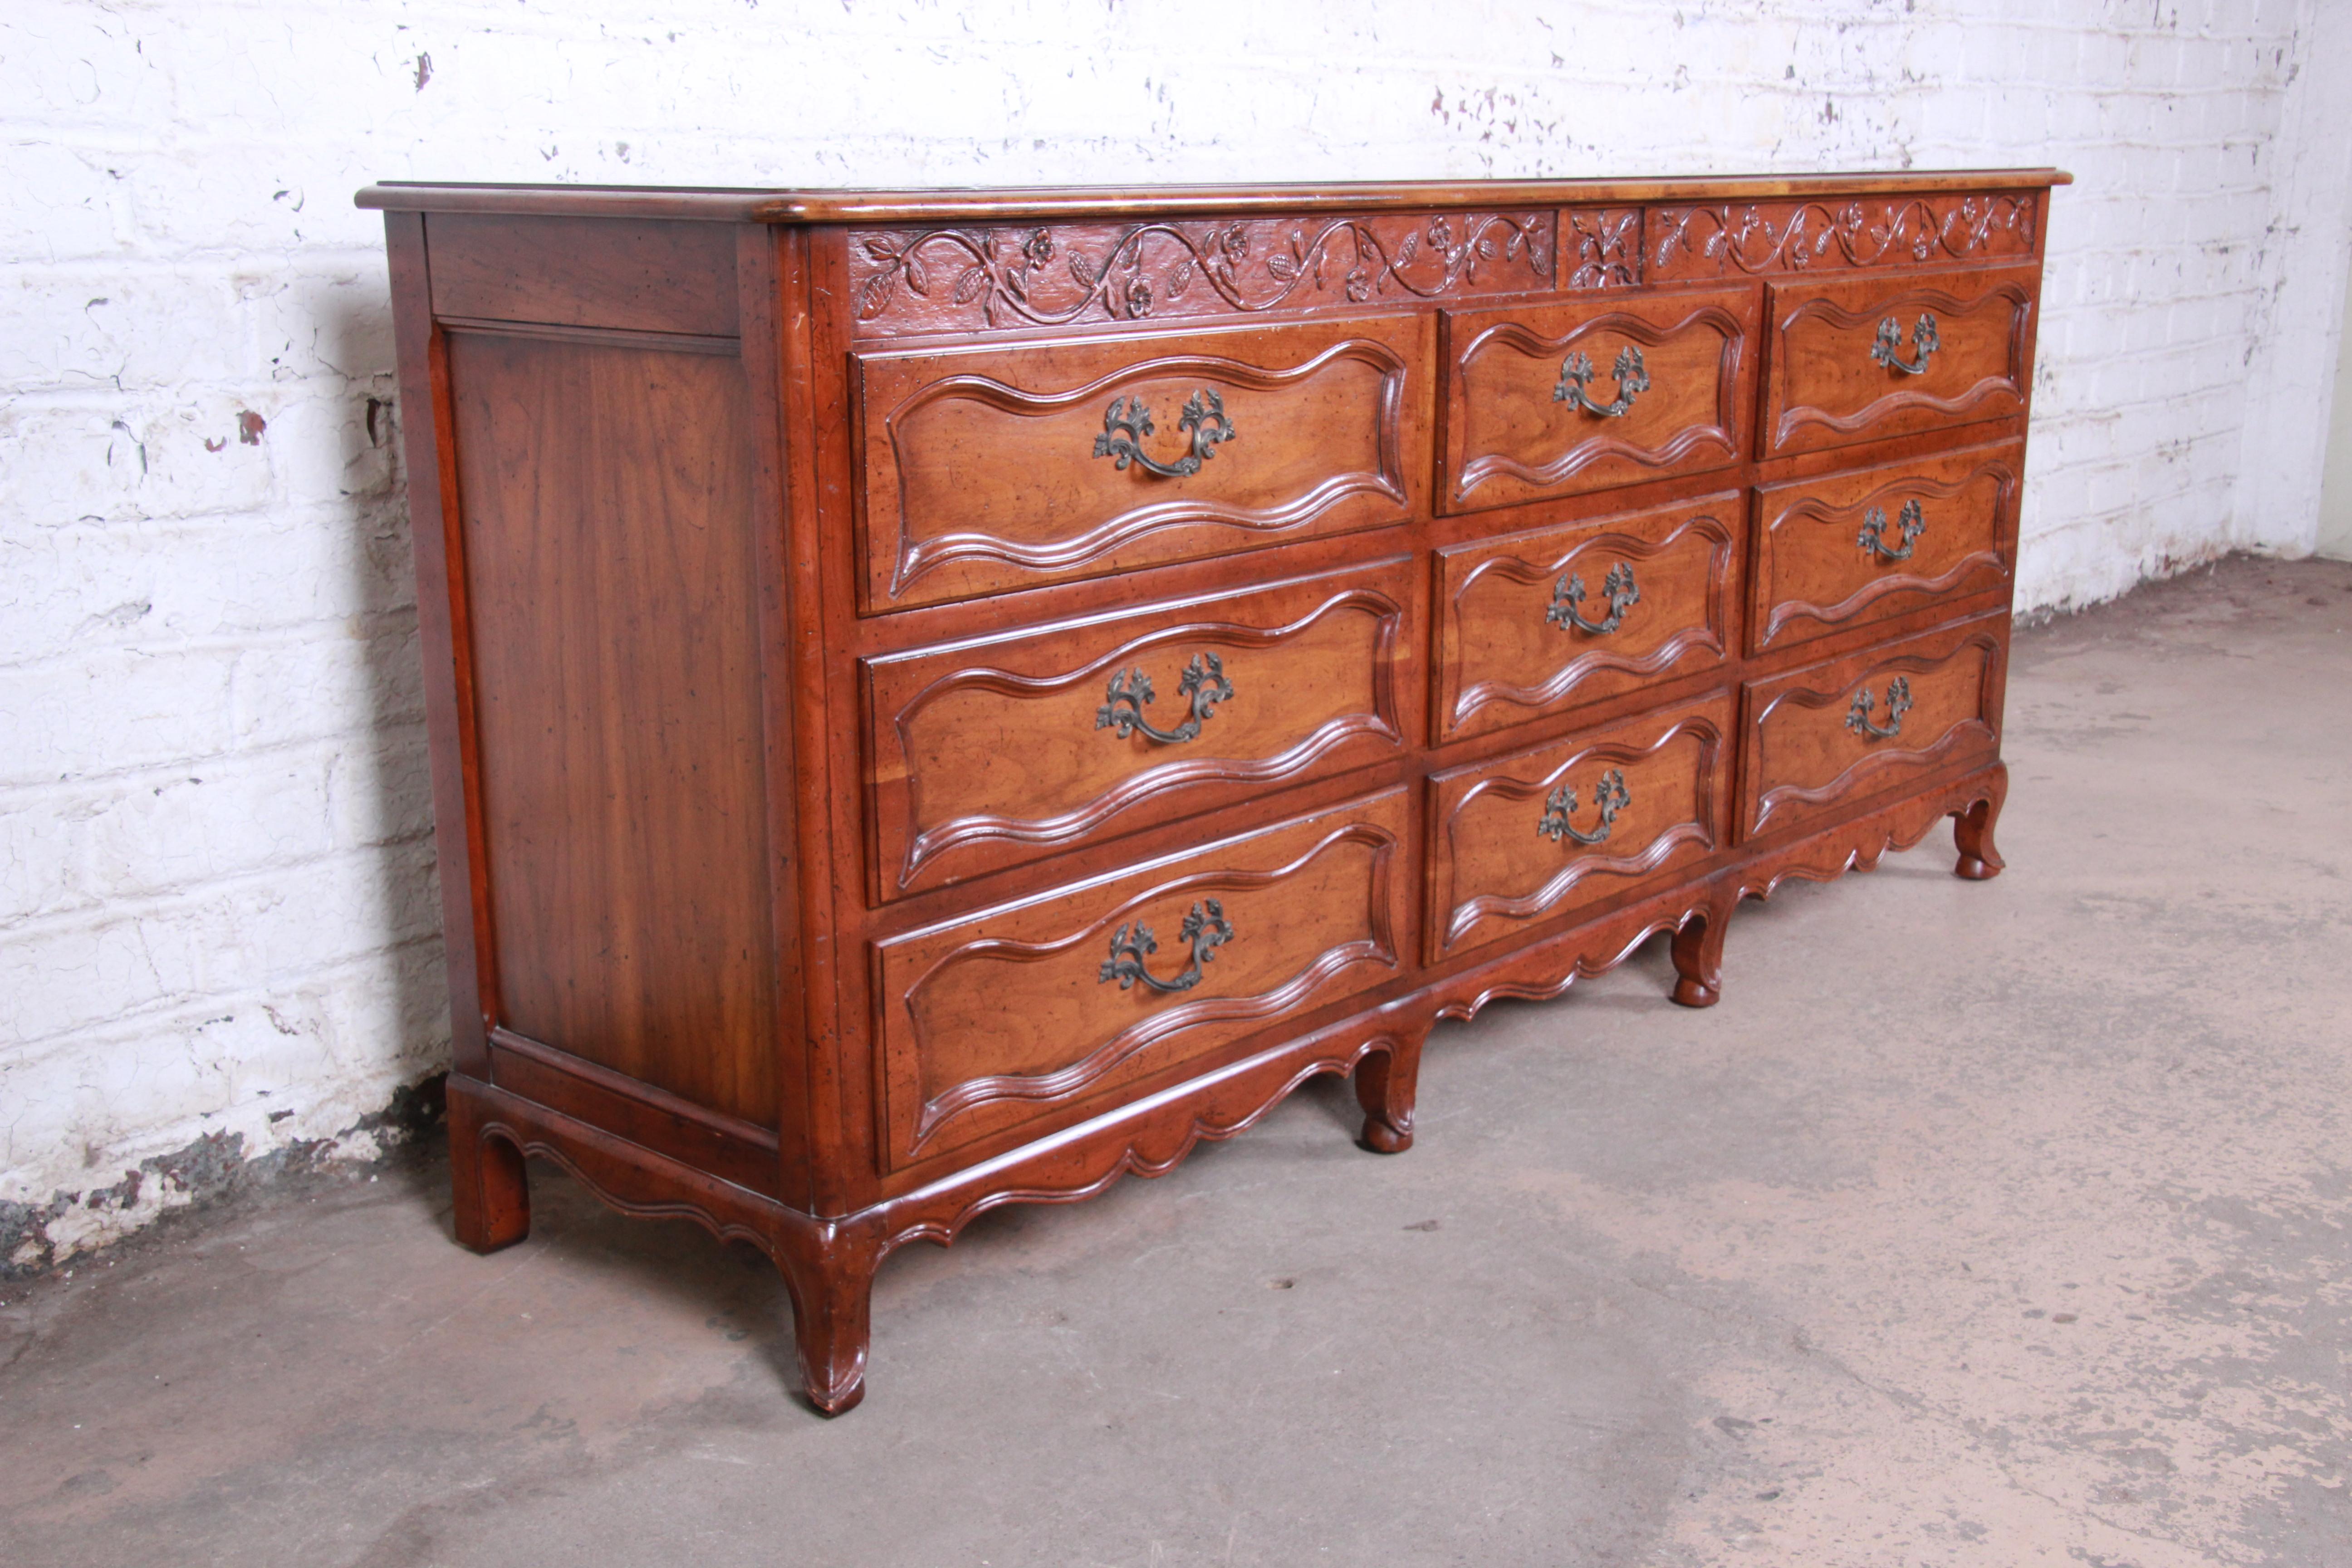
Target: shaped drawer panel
{"points": [[1870, 358], [992, 469], [1535, 834], [1000, 1017], [1830, 734], [1866, 545], [1548, 400], [992, 753], [1537, 622]]}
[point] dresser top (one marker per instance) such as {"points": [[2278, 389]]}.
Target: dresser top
{"points": [[722, 204]]}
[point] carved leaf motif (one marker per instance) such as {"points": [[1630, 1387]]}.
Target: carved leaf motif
{"points": [[1282, 267], [1083, 270], [917, 281], [967, 287], [1179, 279], [882, 247], [874, 297], [1408, 250]]}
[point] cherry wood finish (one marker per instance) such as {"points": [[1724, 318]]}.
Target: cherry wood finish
{"points": [[990, 752], [879, 778], [987, 1019], [1507, 846], [1829, 732], [1867, 544], [1827, 387], [1528, 625], [989, 469], [1671, 374]]}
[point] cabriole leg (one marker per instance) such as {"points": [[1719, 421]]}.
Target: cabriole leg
{"points": [[1386, 1081], [1698, 958], [829, 1274], [486, 1178], [1972, 831]]}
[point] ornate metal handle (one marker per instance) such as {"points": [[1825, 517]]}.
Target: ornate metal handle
{"points": [[1576, 371], [1203, 685], [1128, 421], [1910, 520], [1610, 795], [1203, 933], [1898, 703], [1618, 587], [1887, 350]]}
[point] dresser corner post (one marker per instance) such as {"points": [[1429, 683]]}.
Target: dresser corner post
{"points": [[1972, 828], [828, 1268], [488, 1185]]}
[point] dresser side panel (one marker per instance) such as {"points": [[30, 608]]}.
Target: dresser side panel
{"points": [[607, 524]]}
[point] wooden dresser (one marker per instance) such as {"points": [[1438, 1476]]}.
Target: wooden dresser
{"points": [[945, 699]]}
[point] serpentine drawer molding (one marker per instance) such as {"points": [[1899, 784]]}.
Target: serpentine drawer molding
{"points": [[944, 698]]}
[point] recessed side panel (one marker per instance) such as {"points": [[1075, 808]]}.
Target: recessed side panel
{"points": [[606, 525]]}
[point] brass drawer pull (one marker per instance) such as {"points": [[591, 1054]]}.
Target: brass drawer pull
{"points": [[1887, 350], [1128, 421], [1131, 944], [1618, 587], [1576, 372], [1203, 686], [1611, 795], [1898, 703], [1910, 520]]}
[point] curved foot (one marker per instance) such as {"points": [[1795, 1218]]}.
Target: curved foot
{"points": [[488, 1185], [830, 1277], [1698, 959], [1385, 1085], [1972, 832]]}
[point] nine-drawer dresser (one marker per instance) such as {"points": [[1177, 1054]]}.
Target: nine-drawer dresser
{"points": [[943, 699]]}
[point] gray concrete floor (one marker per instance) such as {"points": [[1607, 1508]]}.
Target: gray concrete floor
{"points": [[2000, 1224]]}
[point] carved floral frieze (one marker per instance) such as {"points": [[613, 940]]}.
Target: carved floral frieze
{"points": [[1797, 236], [932, 279]]}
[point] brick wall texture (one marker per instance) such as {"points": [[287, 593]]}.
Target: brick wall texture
{"points": [[217, 914]]}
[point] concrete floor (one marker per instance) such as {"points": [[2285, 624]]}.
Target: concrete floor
{"points": [[2000, 1224]]}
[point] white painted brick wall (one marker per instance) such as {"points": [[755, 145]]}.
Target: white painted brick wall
{"points": [[216, 892]]}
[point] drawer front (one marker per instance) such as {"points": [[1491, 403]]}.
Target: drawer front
{"points": [[1859, 547], [1548, 400], [1830, 734], [1537, 834], [1005, 1016], [989, 754], [1538, 622], [993, 468], [1876, 357]]}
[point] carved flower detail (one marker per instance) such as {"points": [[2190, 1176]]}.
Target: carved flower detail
{"points": [[1139, 297], [1441, 234], [1039, 248], [1235, 244]]}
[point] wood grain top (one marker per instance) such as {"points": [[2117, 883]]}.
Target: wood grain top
{"points": [[722, 205]]}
